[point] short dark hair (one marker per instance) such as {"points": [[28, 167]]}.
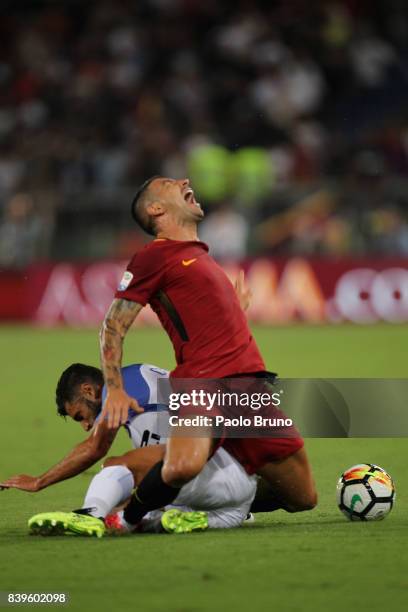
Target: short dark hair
{"points": [[138, 210], [70, 379]]}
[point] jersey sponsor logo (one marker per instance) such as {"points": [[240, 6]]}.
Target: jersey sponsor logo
{"points": [[188, 262], [125, 282]]}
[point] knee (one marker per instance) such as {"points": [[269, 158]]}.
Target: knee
{"points": [[180, 472], [308, 501]]}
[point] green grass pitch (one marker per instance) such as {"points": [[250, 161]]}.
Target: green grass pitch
{"points": [[312, 561]]}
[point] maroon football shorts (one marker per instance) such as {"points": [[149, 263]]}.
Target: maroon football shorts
{"points": [[254, 453], [252, 447]]}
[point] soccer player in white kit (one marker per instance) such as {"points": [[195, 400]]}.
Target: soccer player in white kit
{"points": [[222, 490]]}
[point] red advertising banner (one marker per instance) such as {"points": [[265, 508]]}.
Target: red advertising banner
{"points": [[284, 290]]}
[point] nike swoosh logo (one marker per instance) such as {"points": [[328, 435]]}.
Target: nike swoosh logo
{"points": [[188, 262], [354, 500]]}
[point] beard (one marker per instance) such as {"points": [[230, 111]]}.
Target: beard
{"points": [[94, 406]]}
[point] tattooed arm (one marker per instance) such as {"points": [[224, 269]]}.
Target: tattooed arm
{"points": [[119, 318]]}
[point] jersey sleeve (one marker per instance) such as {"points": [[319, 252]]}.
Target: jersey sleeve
{"points": [[142, 277]]}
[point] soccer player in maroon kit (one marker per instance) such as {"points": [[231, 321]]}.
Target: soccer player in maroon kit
{"points": [[199, 309]]}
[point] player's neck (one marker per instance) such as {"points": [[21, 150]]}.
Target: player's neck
{"points": [[178, 232]]}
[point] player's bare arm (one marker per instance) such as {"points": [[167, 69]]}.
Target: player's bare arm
{"points": [[118, 320], [81, 457]]}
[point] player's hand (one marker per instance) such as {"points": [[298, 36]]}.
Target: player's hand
{"points": [[242, 290], [23, 482], [116, 407]]}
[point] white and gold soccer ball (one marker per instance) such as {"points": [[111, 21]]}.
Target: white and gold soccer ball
{"points": [[365, 492]]}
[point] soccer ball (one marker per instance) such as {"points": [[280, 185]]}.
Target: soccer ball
{"points": [[365, 492]]}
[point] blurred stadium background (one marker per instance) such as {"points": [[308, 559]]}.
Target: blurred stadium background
{"points": [[290, 118]]}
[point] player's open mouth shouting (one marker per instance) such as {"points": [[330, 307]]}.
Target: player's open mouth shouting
{"points": [[189, 197]]}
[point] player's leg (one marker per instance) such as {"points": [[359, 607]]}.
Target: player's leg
{"points": [[183, 519], [139, 460], [186, 520], [221, 486], [114, 484], [291, 484], [110, 488], [265, 499], [184, 459]]}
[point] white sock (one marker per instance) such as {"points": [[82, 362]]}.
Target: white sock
{"points": [[108, 489]]}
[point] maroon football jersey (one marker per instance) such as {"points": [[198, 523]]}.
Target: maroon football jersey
{"points": [[197, 306]]}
